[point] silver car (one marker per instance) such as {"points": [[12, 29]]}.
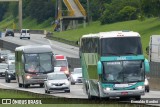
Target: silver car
{"points": [[76, 76], [56, 81], [3, 67]]}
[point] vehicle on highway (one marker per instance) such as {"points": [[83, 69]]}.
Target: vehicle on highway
{"points": [[113, 64], [33, 62], [4, 54], [10, 73], [76, 76], [25, 33], [61, 64], [3, 67], [56, 81], [154, 48], [9, 32], [10, 58], [146, 83]]}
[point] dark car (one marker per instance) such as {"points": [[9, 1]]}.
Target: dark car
{"points": [[9, 32], [10, 73]]}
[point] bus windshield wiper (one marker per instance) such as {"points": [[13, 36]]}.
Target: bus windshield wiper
{"points": [[130, 53], [112, 54]]}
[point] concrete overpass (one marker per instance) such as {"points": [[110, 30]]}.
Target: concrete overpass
{"points": [[20, 10]]}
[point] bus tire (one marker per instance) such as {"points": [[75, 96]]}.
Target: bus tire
{"points": [[20, 85], [25, 85], [90, 97], [8, 80], [41, 85], [46, 91], [138, 97]]}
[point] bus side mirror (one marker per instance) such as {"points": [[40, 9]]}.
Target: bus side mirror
{"points": [[99, 67], [77, 42], [147, 67]]}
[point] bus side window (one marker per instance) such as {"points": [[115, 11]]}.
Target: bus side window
{"points": [[22, 59]]}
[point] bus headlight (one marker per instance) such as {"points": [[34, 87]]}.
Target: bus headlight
{"points": [[28, 76], [107, 89], [140, 87]]}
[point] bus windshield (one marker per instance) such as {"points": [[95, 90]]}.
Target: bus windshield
{"points": [[60, 63], [121, 46], [41, 62], [123, 71]]}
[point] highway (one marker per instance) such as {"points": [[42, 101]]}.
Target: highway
{"points": [[58, 48]]}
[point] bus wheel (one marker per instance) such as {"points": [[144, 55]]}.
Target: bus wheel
{"points": [[25, 85], [8, 80], [20, 85], [46, 91], [41, 85], [89, 95], [138, 97]]}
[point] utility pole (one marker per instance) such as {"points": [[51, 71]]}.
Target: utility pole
{"points": [[88, 13], [20, 14]]}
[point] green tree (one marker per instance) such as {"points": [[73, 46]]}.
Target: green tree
{"points": [[120, 10], [151, 7], [3, 9], [127, 13]]}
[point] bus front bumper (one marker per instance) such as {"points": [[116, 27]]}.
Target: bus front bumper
{"points": [[121, 93], [34, 81]]}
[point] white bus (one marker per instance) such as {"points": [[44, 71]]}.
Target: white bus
{"points": [[32, 64], [113, 64]]}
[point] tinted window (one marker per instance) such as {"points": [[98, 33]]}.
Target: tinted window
{"points": [[121, 46], [57, 77]]}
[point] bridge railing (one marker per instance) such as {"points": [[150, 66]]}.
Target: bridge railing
{"points": [[80, 7], [71, 12]]}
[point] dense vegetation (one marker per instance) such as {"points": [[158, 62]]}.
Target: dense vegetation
{"points": [[106, 11]]}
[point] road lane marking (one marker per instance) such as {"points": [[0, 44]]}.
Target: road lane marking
{"points": [[60, 46]]}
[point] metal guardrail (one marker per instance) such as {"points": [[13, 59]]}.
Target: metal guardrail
{"points": [[32, 31]]}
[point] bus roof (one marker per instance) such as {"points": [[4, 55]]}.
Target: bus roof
{"points": [[34, 48], [113, 34]]}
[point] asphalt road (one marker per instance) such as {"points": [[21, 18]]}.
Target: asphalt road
{"points": [[58, 48]]}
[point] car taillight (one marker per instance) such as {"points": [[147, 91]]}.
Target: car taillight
{"points": [[65, 70]]}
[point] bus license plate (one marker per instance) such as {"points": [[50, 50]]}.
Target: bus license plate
{"points": [[124, 93]]}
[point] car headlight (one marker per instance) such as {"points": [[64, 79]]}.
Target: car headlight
{"points": [[49, 83], [140, 87], [146, 82], [74, 77], [9, 76], [67, 82]]}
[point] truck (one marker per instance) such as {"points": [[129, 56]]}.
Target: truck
{"points": [[154, 48]]}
